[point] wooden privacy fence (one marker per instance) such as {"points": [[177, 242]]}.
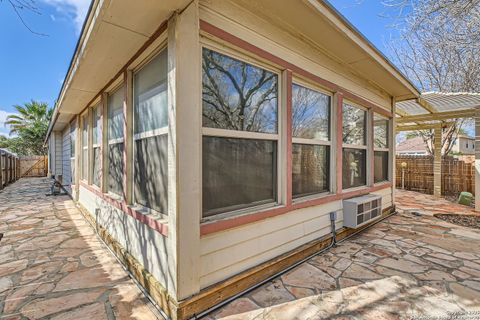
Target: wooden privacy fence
{"points": [[457, 174], [33, 166], [9, 168]]}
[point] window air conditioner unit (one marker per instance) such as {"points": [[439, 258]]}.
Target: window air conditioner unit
{"points": [[361, 210]]}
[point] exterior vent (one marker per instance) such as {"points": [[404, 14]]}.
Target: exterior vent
{"points": [[361, 210]]}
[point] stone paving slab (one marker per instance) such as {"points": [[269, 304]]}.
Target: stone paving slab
{"points": [[52, 264], [405, 267]]}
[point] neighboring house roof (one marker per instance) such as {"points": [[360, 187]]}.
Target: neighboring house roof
{"points": [[412, 145], [465, 137], [6, 151]]}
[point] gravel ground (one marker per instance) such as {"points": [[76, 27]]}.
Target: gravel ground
{"points": [[471, 221]]}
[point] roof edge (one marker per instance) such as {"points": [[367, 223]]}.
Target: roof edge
{"points": [[81, 37], [362, 37]]}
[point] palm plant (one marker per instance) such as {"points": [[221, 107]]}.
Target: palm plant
{"points": [[31, 114], [30, 125]]}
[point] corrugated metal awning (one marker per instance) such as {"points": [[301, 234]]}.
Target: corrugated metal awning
{"points": [[434, 107]]}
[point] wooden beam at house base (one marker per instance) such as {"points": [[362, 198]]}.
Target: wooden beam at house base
{"points": [[217, 293], [156, 291]]}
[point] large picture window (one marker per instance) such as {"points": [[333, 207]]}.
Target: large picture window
{"points": [[311, 141], [96, 152], [354, 155], [85, 147], [115, 138], [240, 134], [150, 116], [381, 148]]}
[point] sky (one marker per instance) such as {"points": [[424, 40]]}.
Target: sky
{"points": [[33, 66]]}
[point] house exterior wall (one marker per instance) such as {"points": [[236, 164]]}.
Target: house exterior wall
{"points": [[58, 154], [182, 251], [145, 244], [55, 153], [464, 145], [228, 252]]}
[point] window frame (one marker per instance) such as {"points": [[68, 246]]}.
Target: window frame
{"points": [[280, 137], [95, 109], [144, 135], [296, 80], [110, 142], [85, 147], [73, 152], [388, 149], [368, 130]]}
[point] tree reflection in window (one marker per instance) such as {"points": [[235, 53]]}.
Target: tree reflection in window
{"points": [[380, 128], [354, 123], [310, 114], [237, 95]]}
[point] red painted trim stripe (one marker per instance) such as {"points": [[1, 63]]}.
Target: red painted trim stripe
{"points": [[162, 228], [221, 225], [354, 98]]}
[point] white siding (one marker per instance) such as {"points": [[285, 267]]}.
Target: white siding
{"points": [[58, 154], [146, 245], [227, 253]]}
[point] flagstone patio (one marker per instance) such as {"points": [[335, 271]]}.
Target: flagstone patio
{"points": [[53, 266], [410, 266]]}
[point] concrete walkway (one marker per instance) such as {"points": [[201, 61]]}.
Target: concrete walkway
{"points": [[53, 266], [406, 267]]}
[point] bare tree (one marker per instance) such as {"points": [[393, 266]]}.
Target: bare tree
{"points": [[237, 95], [22, 6], [438, 49], [310, 113]]}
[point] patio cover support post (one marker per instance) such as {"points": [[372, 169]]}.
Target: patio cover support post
{"points": [[391, 156], [437, 162], [477, 159]]}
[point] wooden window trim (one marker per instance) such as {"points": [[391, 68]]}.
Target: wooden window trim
{"points": [[282, 198], [388, 149], [315, 142], [153, 222], [367, 146]]}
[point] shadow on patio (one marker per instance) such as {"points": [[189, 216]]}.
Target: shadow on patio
{"points": [[52, 264], [407, 266]]}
